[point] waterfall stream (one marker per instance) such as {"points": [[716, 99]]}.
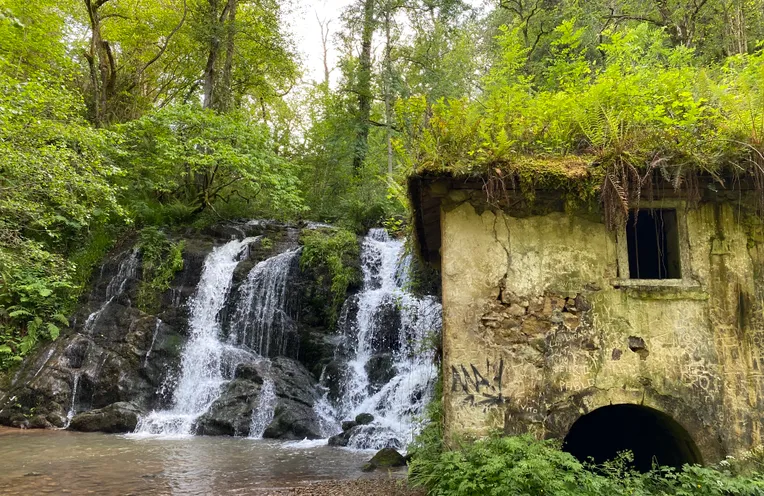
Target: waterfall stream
{"points": [[389, 370], [73, 407], [201, 375], [399, 401], [116, 287], [263, 414], [260, 321], [256, 330]]}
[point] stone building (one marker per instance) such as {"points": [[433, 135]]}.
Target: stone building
{"points": [[648, 337]]}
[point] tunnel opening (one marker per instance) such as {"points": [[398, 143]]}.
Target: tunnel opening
{"points": [[653, 437]]}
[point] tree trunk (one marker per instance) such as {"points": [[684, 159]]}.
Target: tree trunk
{"points": [[210, 72], [224, 97], [324, 25], [388, 96], [103, 67], [364, 87]]}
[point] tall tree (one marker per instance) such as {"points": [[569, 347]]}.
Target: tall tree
{"points": [[363, 85], [111, 78]]}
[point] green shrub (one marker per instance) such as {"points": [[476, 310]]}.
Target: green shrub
{"points": [[521, 465], [335, 253], [161, 259]]}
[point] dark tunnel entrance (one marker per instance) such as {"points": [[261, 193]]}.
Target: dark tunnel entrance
{"points": [[652, 436]]}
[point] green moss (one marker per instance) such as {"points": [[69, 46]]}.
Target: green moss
{"points": [[161, 259], [333, 254]]}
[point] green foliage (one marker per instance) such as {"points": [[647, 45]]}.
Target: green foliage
{"points": [[161, 259], [521, 465], [648, 106], [35, 287], [334, 253], [196, 159], [428, 445], [55, 186]]}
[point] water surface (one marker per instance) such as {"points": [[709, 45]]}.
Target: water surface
{"points": [[61, 462]]}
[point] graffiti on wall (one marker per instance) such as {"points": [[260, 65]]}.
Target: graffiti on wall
{"points": [[481, 387]]}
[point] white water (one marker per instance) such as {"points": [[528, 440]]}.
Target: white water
{"points": [[402, 400], [201, 375], [72, 408], [115, 288], [260, 321], [153, 340], [264, 411]]}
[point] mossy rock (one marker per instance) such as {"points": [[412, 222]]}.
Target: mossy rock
{"points": [[385, 458], [364, 419]]}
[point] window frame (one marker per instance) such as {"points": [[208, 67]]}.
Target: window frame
{"points": [[622, 249]]}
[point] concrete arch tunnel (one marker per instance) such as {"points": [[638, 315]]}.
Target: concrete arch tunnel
{"points": [[651, 435]]}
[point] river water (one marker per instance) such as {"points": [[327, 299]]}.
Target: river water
{"points": [[60, 462]]}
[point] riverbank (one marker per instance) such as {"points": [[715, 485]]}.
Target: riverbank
{"points": [[361, 487]]}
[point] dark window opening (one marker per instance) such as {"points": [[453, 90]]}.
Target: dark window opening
{"points": [[653, 437], [652, 237]]}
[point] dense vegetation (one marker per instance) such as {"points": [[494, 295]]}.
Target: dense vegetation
{"points": [[521, 465]]}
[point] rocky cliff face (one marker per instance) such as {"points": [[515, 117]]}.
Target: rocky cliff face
{"points": [[119, 363]]}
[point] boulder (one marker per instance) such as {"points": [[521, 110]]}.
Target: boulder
{"points": [[231, 413], [294, 421], [343, 438], [386, 326], [385, 458], [293, 415], [366, 437], [116, 418], [364, 418], [380, 369]]}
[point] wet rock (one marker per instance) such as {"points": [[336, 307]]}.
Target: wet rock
{"points": [[364, 418], [116, 418], [293, 415], [293, 420], [334, 376], [385, 458], [248, 372], [40, 422], [231, 413], [380, 370], [386, 327], [342, 439], [348, 424]]}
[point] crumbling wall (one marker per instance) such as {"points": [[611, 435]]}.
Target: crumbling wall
{"points": [[539, 329]]}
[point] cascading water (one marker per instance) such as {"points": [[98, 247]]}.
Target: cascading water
{"points": [[256, 330], [260, 321], [73, 407], [400, 400], [153, 340], [264, 411], [116, 287], [201, 373]]}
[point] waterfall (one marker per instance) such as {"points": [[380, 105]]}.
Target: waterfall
{"points": [[115, 288], [264, 411], [402, 399], [73, 407], [258, 328], [201, 375], [153, 340], [260, 321]]}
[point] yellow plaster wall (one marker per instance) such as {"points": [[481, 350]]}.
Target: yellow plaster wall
{"points": [[538, 329]]}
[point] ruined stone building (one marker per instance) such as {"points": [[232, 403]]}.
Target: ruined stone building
{"points": [[648, 337]]}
